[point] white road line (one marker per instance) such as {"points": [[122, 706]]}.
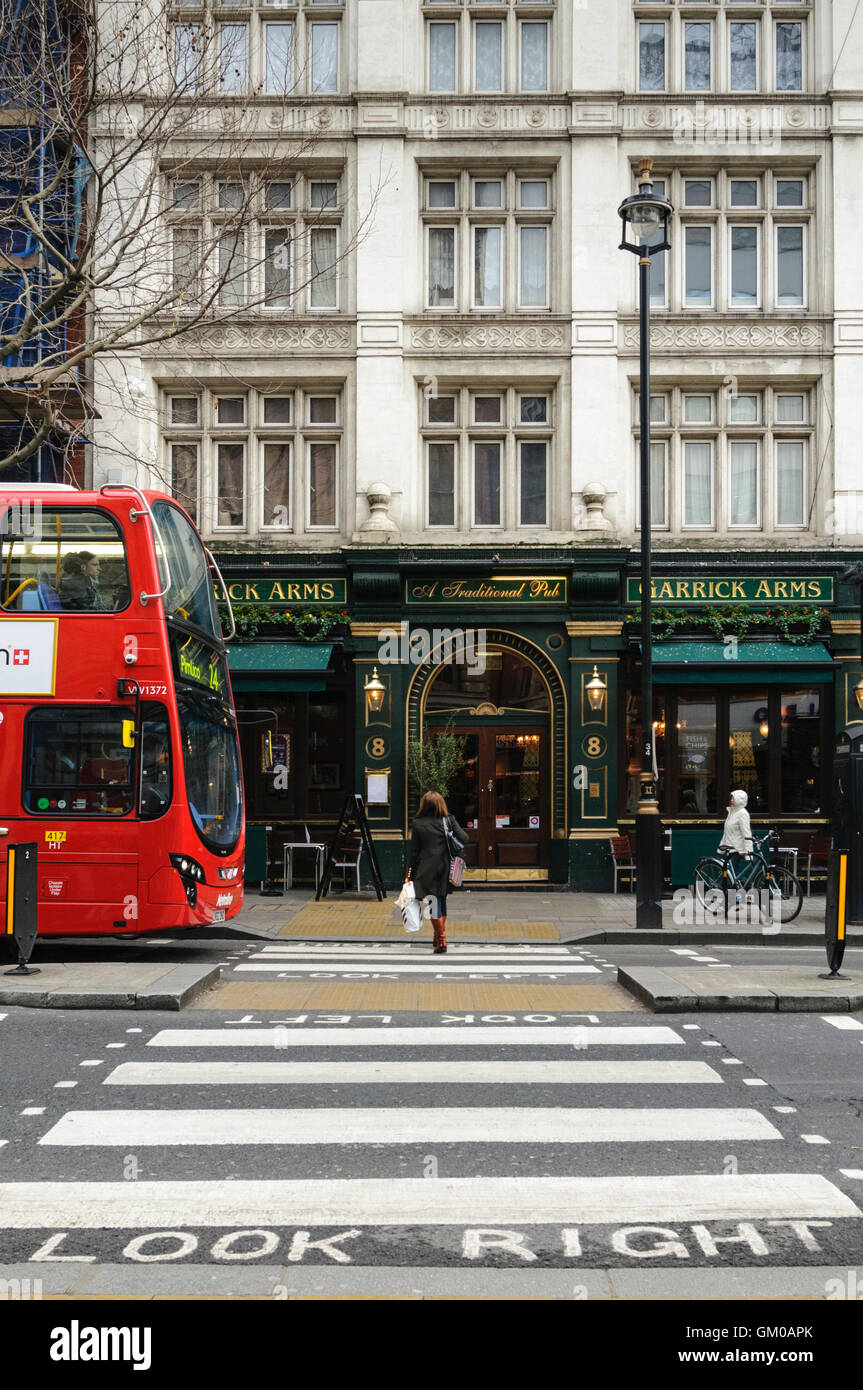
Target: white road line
{"points": [[753, 1081], [33, 1110], [353, 948], [427, 968], [64, 1085], [2, 1016], [851, 1172], [420, 955], [408, 1125], [705, 958], [785, 1109], [468, 1072], [814, 1139], [842, 1021], [681, 950], [492, 1201], [440, 1035]]}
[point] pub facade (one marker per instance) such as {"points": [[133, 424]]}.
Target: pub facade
{"points": [[532, 661]]}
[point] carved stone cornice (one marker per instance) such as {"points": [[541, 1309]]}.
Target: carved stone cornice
{"points": [[488, 337], [673, 335], [261, 339]]}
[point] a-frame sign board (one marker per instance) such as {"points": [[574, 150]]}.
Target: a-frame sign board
{"points": [[353, 814]]}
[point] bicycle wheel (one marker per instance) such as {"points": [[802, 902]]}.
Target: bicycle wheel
{"points": [[708, 878], [782, 899]]}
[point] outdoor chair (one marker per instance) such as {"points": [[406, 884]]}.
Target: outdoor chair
{"points": [[622, 857], [817, 852], [349, 860]]}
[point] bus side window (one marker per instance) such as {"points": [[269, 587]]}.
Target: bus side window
{"points": [[155, 764]]}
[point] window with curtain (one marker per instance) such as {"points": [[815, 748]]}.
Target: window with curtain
{"points": [[488, 457], [534, 57], [441, 267], [486, 473], [533, 278], [279, 45], [744, 266], [697, 483], [789, 265], [488, 240], [256, 461], [790, 481], [488, 57], [442, 51], [697, 264], [323, 268], [324, 54], [533, 483], [487, 265], [744, 484], [233, 45]]}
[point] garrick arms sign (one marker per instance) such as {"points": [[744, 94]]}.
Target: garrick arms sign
{"points": [[288, 591], [748, 589]]}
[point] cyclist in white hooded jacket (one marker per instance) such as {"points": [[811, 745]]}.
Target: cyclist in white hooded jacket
{"points": [[737, 831]]}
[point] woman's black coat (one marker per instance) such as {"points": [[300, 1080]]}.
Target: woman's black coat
{"points": [[430, 856]]}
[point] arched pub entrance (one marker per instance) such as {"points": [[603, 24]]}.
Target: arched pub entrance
{"points": [[510, 793]]}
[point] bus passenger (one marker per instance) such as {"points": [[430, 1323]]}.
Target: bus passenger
{"points": [[79, 585]]}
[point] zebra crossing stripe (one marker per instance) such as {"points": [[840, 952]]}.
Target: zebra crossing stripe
{"points": [[310, 948], [440, 1035], [408, 1125], [470, 1071], [426, 968], [524, 1200]]}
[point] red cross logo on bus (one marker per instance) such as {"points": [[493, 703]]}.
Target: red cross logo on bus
{"points": [[21, 656]]}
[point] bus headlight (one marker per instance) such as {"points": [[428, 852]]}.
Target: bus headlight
{"points": [[188, 868]]}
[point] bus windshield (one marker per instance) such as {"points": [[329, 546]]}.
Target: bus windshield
{"points": [[190, 597], [62, 559], [212, 766]]}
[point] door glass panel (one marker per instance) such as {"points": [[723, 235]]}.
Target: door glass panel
{"points": [[696, 755], [463, 796], [748, 737], [516, 781], [801, 751]]}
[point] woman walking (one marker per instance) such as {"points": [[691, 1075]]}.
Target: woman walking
{"points": [[430, 859]]}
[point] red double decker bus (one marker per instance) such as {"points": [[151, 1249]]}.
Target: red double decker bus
{"points": [[118, 739]]}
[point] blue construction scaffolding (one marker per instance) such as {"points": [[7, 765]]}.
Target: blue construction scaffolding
{"points": [[42, 180]]}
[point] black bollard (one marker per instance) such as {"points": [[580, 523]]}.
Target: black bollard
{"points": [[22, 923]]}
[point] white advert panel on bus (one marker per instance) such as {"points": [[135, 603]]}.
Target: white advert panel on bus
{"points": [[28, 656]]}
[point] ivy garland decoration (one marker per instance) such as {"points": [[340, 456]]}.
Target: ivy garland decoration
{"points": [[310, 625], [796, 623]]}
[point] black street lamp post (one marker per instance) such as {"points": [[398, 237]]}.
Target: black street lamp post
{"points": [[645, 216]]}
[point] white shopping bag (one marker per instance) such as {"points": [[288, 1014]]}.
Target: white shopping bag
{"points": [[410, 908]]}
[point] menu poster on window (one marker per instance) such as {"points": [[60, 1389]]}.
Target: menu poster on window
{"points": [[695, 751]]}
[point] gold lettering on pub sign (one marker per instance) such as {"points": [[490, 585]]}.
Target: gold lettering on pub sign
{"points": [[333, 591], [502, 589], [750, 589]]}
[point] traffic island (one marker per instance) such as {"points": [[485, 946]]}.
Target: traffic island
{"points": [[764, 989], [110, 985]]}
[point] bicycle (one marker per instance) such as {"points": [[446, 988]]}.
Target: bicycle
{"points": [[777, 887]]}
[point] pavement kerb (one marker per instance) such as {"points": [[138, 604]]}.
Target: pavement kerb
{"points": [[663, 993], [173, 991]]}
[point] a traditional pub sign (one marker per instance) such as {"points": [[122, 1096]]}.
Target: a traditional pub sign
{"points": [[500, 588], [748, 589]]}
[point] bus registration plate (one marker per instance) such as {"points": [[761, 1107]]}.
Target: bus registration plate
{"points": [[219, 915]]}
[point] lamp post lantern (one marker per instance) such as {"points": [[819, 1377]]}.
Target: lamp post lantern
{"points": [[644, 232]]}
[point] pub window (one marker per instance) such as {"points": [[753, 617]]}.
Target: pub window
{"points": [[297, 754], [770, 741], [487, 458], [256, 462]]}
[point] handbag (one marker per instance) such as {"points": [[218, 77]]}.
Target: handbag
{"points": [[410, 908], [454, 846]]}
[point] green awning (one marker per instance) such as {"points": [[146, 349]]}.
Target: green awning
{"points": [[767, 663], [275, 666]]}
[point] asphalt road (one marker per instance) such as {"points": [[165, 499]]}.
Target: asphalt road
{"points": [[350, 1144]]}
